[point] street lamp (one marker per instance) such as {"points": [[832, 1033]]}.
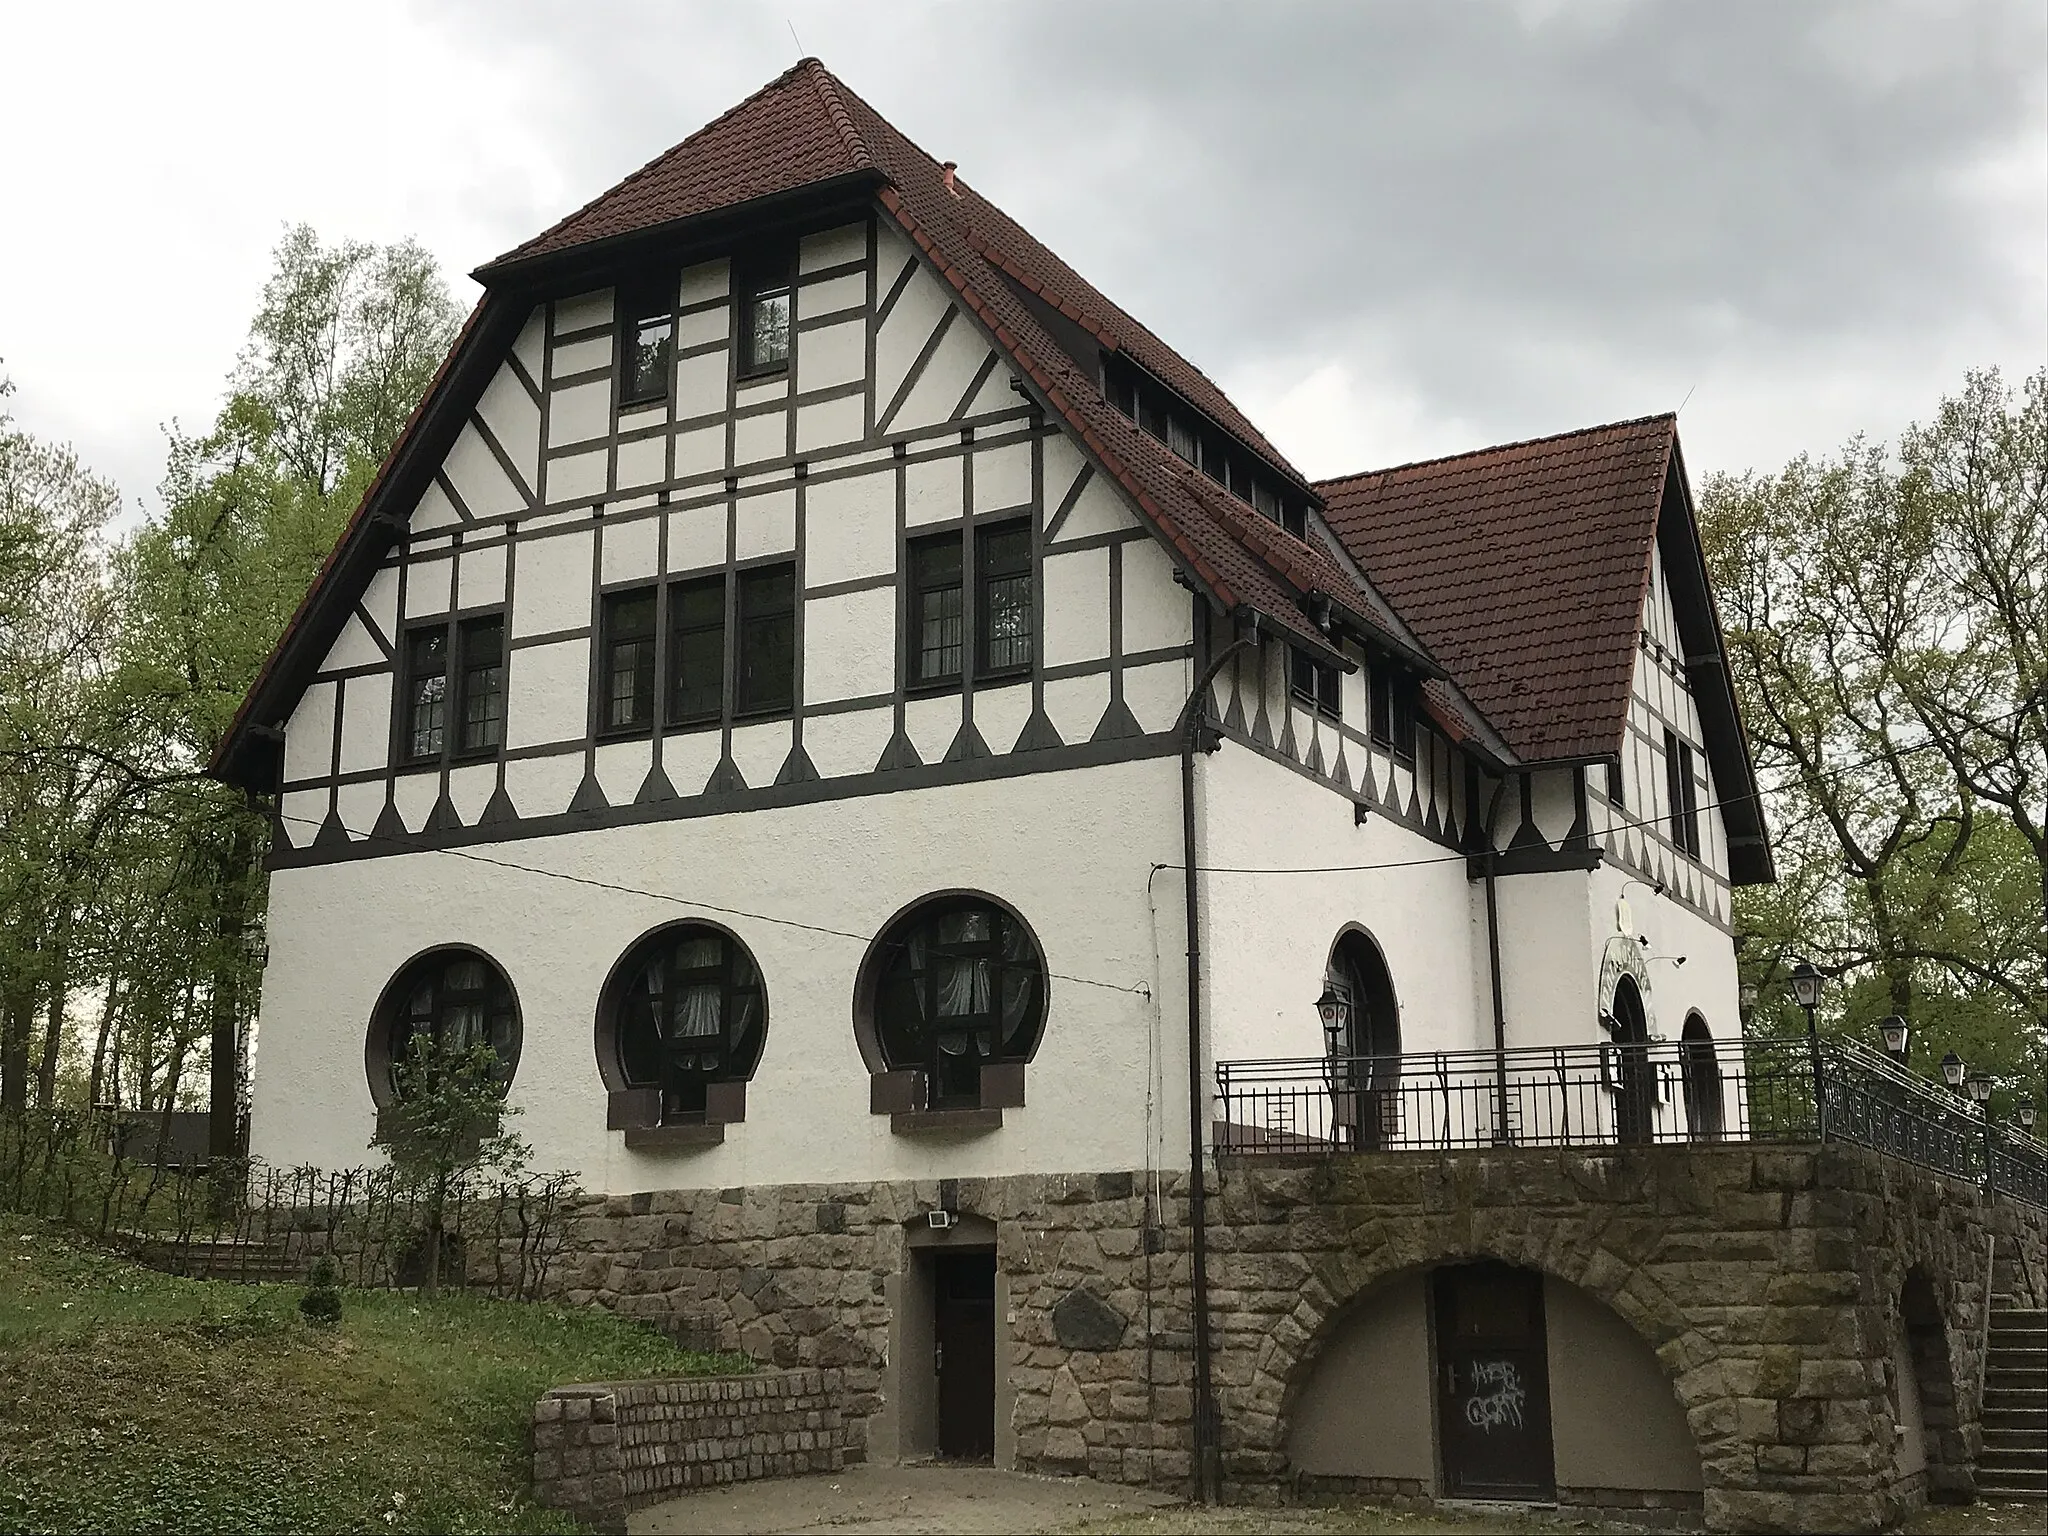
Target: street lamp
{"points": [[2026, 1114], [1331, 1009], [1978, 1085], [1898, 1037], [1952, 1069], [1806, 982]]}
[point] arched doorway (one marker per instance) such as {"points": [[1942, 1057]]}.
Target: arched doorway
{"points": [[1635, 1081], [1368, 1109], [1701, 1069]]}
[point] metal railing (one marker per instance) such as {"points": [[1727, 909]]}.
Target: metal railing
{"points": [[1656, 1092]]}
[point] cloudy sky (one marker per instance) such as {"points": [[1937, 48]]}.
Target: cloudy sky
{"points": [[1389, 230]]}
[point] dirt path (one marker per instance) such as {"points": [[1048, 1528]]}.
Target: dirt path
{"points": [[973, 1501]]}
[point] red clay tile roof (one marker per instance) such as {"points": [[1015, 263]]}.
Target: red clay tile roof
{"points": [[806, 126], [1523, 568]]}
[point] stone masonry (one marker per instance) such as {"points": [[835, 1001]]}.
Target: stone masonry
{"points": [[601, 1450], [1764, 1278]]}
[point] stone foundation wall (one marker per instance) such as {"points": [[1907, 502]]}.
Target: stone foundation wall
{"points": [[601, 1450], [1763, 1278]]}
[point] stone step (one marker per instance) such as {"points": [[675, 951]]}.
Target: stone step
{"points": [[2020, 1441], [2031, 1340], [2013, 1493], [1998, 1459], [2032, 1421], [2029, 1378], [2018, 1317]]}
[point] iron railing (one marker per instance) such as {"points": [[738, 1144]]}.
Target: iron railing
{"points": [[1650, 1093]]}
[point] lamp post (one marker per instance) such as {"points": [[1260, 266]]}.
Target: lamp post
{"points": [[1952, 1069], [1332, 1008], [2026, 1114], [1806, 983], [1978, 1085], [1898, 1037]]}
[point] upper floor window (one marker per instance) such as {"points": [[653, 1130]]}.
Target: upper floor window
{"points": [[1002, 605], [766, 292], [764, 678], [759, 654], [629, 660], [1615, 797], [958, 986], [1315, 683], [1393, 710], [1682, 795], [1004, 556], [647, 341], [470, 654]]}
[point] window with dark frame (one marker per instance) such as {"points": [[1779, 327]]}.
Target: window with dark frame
{"points": [[938, 620], [1316, 683], [693, 1012], [425, 724], [1004, 616], [767, 303], [457, 998], [647, 341], [1615, 796], [696, 668], [1682, 795], [483, 683], [1393, 710], [764, 680], [629, 661], [962, 986]]}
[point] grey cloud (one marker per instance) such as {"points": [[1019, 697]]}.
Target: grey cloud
{"points": [[1527, 213]]}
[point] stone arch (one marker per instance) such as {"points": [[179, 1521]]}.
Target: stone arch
{"points": [[1924, 1389], [1566, 1250]]}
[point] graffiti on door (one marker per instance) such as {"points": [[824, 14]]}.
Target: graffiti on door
{"points": [[1497, 1396]]}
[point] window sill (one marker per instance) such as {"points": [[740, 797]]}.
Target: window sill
{"points": [[472, 756], [642, 403], [672, 1138], [761, 374], [638, 732], [933, 687], [764, 712], [1007, 678], [945, 1122]]}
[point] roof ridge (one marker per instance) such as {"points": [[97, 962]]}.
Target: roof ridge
{"points": [[1473, 453], [667, 154], [827, 85]]}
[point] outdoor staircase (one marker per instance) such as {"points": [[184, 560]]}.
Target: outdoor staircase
{"points": [[221, 1258], [2014, 1462]]}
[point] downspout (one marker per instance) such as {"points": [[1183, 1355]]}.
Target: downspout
{"points": [[1500, 1016], [1207, 1427]]}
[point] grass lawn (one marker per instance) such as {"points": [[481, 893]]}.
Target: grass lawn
{"points": [[136, 1401]]}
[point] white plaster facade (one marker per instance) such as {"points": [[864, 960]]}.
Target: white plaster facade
{"points": [[1057, 792]]}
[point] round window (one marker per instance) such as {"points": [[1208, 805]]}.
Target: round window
{"points": [[458, 999], [960, 985]]}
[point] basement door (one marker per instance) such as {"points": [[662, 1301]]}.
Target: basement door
{"points": [[964, 1354], [1493, 1384]]}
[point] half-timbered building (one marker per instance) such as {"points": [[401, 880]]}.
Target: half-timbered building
{"points": [[756, 697]]}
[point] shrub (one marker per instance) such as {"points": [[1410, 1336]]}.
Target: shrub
{"points": [[321, 1305]]}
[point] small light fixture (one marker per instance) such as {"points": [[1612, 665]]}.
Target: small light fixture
{"points": [[2026, 1115], [1979, 1086], [1952, 1069], [1898, 1037], [1746, 998], [1331, 1008], [1806, 985]]}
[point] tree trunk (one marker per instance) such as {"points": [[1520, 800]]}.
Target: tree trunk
{"points": [[108, 1010], [17, 1015], [53, 1022], [224, 1103]]}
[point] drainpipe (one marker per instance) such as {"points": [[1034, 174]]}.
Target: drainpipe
{"points": [[1207, 1428], [1500, 1017]]}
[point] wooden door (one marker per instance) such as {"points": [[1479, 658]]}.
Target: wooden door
{"points": [[964, 1354], [1493, 1383]]}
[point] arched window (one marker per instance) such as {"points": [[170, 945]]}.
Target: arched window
{"points": [[1701, 1071], [1635, 1080], [457, 997], [1368, 1106], [680, 1028], [953, 987]]}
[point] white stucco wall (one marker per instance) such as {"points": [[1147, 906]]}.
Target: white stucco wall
{"points": [[1071, 851]]}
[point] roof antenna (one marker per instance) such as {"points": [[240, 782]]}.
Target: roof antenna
{"points": [[1688, 396], [794, 38]]}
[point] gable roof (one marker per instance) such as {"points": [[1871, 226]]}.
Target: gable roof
{"points": [[1524, 569]]}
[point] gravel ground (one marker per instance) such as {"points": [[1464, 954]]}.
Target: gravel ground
{"points": [[979, 1501]]}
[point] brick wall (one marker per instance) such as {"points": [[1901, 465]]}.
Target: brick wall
{"points": [[604, 1448]]}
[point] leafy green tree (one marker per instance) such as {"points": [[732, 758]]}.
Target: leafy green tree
{"points": [[447, 1125]]}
